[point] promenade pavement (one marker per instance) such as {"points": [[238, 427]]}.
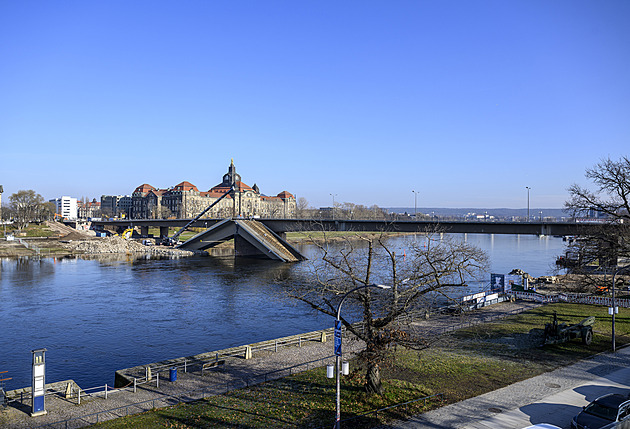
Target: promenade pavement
{"points": [[554, 397]]}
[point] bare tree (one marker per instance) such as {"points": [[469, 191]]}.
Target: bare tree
{"points": [[27, 206], [605, 244], [434, 267], [302, 206]]}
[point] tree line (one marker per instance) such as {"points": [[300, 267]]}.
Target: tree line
{"points": [[26, 206]]}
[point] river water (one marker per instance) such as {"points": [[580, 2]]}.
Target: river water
{"points": [[95, 316]]}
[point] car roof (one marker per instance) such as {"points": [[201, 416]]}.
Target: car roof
{"points": [[611, 400], [543, 426]]}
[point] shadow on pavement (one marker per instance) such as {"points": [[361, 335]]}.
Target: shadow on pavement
{"points": [[592, 392], [555, 414]]}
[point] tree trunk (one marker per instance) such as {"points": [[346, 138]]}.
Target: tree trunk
{"points": [[373, 382]]}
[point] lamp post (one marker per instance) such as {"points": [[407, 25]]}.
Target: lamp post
{"points": [[415, 205], [614, 308], [528, 188], [338, 348], [333, 206]]}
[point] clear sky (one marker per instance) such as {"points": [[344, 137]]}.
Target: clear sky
{"points": [[465, 102]]}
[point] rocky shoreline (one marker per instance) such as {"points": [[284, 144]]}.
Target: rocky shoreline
{"points": [[110, 245]]}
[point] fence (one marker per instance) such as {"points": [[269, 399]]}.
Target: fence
{"points": [[439, 396], [574, 298], [152, 374]]}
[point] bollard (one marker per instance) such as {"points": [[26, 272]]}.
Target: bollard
{"points": [[248, 352], [69, 390], [157, 380], [184, 365], [134, 385], [322, 338], [79, 396], [276, 344], [105, 391], [300, 340]]}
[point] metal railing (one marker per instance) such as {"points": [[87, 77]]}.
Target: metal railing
{"points": [[439, 396], [168, 400], [224, 387]]}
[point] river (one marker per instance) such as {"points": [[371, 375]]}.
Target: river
{"points": [[95, 316]]}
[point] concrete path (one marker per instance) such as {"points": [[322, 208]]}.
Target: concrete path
{"points": [[554, 397]]}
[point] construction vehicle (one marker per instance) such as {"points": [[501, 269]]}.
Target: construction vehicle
{"points": [[174, 240], [126, 234], [559, 333]]}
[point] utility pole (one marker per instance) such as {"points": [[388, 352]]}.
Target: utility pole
{"points": [[528, 188], [415, 205]]}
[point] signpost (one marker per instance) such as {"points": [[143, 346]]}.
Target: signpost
{"points": [[38, 386], [337, 337]]}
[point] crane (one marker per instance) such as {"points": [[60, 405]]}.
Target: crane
{"points": [[172, 241]]}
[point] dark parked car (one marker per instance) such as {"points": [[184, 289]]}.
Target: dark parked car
{"points": [[603, 411]]}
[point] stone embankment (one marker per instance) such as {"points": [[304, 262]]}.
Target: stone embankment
{"points": [[109, 245]]}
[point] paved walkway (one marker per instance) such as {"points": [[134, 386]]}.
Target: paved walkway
{"points": [[236, 373], [554, 397]]}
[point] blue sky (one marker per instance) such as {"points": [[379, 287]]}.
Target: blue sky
{"points": [[465, 102]]}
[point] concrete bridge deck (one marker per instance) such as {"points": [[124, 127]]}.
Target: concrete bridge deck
{"points": [[281, 226], [251, 238]]}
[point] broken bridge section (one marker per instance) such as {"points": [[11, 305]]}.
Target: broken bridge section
{"points": [[251, 238]]}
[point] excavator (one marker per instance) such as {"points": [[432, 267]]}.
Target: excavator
{"points": [[126, 234], [174, 240]]}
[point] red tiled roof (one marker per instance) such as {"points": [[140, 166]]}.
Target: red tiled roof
{"points": [[240, 186], [285, 195], [144, 188], [185, 186], [266, 198]]}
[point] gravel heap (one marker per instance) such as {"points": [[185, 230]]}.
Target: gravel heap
{"points": [[120, 245]]}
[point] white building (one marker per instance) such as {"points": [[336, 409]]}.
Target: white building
{"points": [[66, 207]]}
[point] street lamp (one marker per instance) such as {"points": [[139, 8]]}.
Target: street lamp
{"points": [[528, 188], [415, 205], [333, 207], [338, 348], [614, 308]]}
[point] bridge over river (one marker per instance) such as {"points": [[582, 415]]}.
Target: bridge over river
{"points": [[282, 226]]}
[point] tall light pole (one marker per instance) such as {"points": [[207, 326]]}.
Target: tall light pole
{"points": [[528, 188], [333, 207], [415, 205], [338, 347]]}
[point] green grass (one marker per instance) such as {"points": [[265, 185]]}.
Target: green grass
{"points": [[470, 364]]}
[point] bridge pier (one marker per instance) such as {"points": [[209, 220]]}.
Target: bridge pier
{"points": [[243, 248], [163, 231], [144, 231]]}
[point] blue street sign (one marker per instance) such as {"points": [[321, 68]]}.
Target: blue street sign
{"points": [[337, 337], [337, 346]]}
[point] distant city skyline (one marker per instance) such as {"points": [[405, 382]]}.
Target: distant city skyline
{"points": [[465, 103]]}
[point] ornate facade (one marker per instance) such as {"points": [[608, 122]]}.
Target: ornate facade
{"points": [[185, 200]]}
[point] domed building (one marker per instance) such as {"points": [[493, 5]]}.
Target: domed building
{"points": [[185, 200]]}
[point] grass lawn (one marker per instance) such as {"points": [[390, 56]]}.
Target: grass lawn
{"points": [[468, 363]]}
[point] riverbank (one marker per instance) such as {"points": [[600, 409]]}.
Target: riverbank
{"points": [[57, 240], [261, 392], [60, 240]]}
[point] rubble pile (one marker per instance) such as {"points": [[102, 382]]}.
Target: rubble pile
{"points": [[120, 245]]}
